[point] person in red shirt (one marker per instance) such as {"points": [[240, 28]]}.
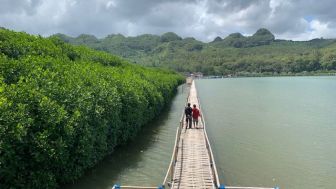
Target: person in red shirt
{"points": [[195, 114]]}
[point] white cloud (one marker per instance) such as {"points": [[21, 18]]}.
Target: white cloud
{"points": [[317, 29], [202, 19], [111, 4]]}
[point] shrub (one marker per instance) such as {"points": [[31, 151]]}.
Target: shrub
{"points": [[63, 108]]}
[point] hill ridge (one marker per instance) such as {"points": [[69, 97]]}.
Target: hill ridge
{"points": [[234, 54]]}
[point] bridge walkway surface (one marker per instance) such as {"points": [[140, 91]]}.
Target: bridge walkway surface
{"points": [[192, 163], [193, 168]]}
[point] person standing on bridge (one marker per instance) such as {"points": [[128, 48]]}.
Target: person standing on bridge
{"points": [[195, 114], [188, 114]]}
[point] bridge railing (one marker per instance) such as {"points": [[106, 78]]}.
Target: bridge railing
{"points": [[213, 163], [208, 146], [168, 180], [171, 169]]}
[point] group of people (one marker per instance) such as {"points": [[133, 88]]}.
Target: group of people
{"points": [[191, 115]]}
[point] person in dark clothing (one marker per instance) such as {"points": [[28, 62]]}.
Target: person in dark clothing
{"points": [[188, 113]]}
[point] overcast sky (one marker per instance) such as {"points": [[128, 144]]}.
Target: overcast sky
{"points": [[202, 19]]}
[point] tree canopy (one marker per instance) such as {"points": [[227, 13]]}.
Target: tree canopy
{"points": [[259, 53], [64, 108]]}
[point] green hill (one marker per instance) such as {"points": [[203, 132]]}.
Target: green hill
{"points": [[64, 108], [260, 53]]}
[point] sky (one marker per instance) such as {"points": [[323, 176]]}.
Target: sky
{"points": [[201, 19]]}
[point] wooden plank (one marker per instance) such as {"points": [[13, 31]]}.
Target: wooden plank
{"points": [[193, 165]]}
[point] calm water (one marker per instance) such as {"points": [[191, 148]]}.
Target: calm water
{"points": [[273, 131], [264, 132]]}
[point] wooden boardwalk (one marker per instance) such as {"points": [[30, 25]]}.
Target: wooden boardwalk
{"points": [[193, 168], [192, 165]]}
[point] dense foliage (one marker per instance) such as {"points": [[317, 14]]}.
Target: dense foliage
{"points": [[63, 108], [259, 53]]}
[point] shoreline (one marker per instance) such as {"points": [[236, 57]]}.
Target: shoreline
{"points": [[246, 74]]}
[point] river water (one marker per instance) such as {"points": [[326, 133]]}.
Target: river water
{"points": [[278, 131]]}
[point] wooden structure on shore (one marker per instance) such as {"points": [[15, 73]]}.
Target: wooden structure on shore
{"points": [[189, 80], [192, 164]]}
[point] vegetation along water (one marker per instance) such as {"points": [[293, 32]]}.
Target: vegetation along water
{"points": [[145, 160], [64, 108]]}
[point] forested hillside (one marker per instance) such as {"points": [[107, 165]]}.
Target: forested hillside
{"points": [[259, 53], [63, 108]]}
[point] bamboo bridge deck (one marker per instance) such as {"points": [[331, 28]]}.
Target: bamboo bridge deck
{"points": [[192, 164]]}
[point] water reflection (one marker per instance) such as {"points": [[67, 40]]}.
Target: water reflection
{"points": [[272, 131]]}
